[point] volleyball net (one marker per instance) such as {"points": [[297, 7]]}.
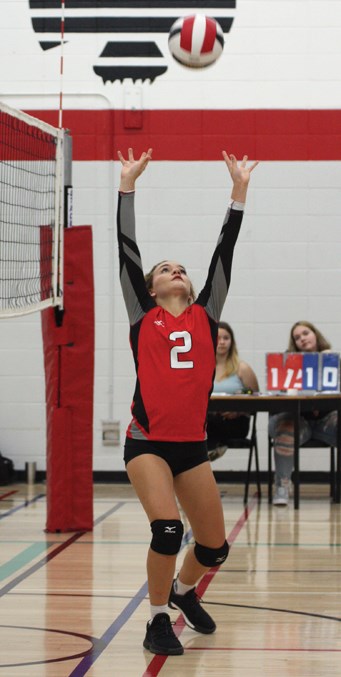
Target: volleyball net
{"points": [[31, 213]]}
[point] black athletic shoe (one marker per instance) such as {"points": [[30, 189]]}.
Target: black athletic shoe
{"points": [[195, 616], [160, 637]]}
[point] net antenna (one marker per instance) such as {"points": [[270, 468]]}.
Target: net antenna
{"points": [[62, 29], [67, 144], [31, 213]]}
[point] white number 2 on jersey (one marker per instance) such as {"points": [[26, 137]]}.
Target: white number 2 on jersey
{"points": [[177, 350]]}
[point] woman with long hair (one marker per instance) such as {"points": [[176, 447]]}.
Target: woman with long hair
{"points": [[173, 338], [232, 376], [303, 337]]}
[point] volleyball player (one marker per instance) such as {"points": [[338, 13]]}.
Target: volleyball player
{"points": [[173, 338]]}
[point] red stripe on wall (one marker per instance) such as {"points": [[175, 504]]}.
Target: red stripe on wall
{"points": [[195, 135]]}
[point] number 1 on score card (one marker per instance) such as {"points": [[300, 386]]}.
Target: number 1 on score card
{"points": [[274, 371], [310, 380], [284, 371]]}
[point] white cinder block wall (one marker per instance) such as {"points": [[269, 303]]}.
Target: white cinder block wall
{"points": [[280, 54], [286, 267]]}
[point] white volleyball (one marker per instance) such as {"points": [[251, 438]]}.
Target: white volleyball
{"points": [[196, 41]]}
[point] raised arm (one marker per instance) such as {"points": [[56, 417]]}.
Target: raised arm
{"points": [[136, 296], [132, 169], [214, 293], [240, 175]]}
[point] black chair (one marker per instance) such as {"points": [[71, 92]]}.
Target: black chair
{"points": [[311, 444], [251, 444]]}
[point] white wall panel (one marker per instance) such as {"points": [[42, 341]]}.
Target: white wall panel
{"points": [[275, 52], [18, 388], [287, 267], [279, 54]]}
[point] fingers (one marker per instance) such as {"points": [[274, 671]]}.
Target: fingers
{"points": [[254, 164], [145, 156], [130, 156], [231, 161], [228, 158]]}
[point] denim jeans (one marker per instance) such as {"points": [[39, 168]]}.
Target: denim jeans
{"points": [[281, 429]]}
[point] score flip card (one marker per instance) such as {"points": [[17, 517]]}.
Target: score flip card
{"points": [[303, 371]]}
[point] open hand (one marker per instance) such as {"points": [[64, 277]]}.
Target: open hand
{"points": [[240, 175], [239, 172], [131, 168]]}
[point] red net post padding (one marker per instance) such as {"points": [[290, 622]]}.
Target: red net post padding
{"points": [[69, 374]]}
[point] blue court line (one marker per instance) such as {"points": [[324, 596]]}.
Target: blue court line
{"points": [[65, 544], [118, 623], [116, 507], [124, 616], [22, 559], [38, 565], [110, 633], [23, 505]]}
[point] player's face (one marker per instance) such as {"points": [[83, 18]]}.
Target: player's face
{"points": [[224, 342], [169, 279], [305, 339]]}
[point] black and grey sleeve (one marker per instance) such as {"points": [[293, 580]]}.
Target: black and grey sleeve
{"points": [[135, 293], [214, 293]]}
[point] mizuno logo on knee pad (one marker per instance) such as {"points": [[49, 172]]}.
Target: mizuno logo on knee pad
{"points": [[211, 557], [167, 536]]}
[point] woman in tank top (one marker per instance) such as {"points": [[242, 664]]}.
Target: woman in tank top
{"points": [[232, 376]]}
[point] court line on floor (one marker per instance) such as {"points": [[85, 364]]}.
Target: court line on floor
{"points": [[87, 662], [51, 555], [282, 571], [38, 565], [231, 538], [9, 493], [62, 546], [25, 504], [157, 662], [23, 558], [248, 648], [289, 545], [310, 614], [47, 661]]}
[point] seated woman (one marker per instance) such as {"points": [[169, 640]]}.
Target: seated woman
{"points": [[304, 337], [232, 376]]}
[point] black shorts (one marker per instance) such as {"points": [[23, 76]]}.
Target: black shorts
{"points": [[180, 456]]}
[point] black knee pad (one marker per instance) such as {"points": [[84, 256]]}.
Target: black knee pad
{"points": [[167, 536], [211, 557]]}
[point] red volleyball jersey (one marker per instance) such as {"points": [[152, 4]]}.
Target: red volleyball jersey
{"points": [[174, 356]]}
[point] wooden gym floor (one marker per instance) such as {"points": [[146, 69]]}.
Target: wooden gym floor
{"points": [[77, 604]]}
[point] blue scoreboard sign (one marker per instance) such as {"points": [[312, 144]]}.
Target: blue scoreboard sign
{"points": [[303, 371]]}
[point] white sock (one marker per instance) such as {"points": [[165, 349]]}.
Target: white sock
{"points": [[162, 609], [181, 588]]}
